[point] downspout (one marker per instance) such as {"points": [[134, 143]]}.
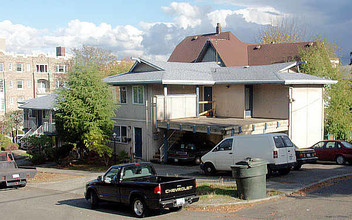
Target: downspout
{"points": [[197, 101], [290, 112]]}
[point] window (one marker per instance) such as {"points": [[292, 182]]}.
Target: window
{"points": [[1, 67], [10, 66], [29, 83], [60, 68], [28, 67], [20, 100], [2, 104], [121, 134], [20, 84], [19, 67], [120, 94], [330, 145], [346, 144], [11, 101], [59, 84], [318, 145], [111, 175], [138, 94], [226, 145], [11, 84], [42, 68], [1, 86], [279, 143]]}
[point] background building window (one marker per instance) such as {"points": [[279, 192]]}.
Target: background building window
{"points": [[11, 101], [121, 134], [60, 68], [11, 84], [19, 67], [10, 66], [42, 68], [20, 84], [28, 67], [120, 94], [137, 93], [29, 83], [59, 84], [1, 67]]}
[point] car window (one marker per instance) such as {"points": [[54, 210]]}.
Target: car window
{"points": [[279, 143], [346, 144], [330, 145], [137, 171], [111, 175], [318, 145], [226, 145]]}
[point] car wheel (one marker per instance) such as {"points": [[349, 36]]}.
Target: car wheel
{"points": [[269, 173], [94, 200], [209, 169], [297, 167], [284, 171], [139, 207], [340, 160], [175, 209], [197, 160]]}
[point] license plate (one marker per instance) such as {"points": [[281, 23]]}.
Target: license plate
{"points": [[308, 155], [180, 202], [16, 176], [176, 160]]}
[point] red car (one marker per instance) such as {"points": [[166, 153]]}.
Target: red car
{"points": [[339, 151]]}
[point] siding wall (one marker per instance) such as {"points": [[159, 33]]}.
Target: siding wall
{"points": [[230, 102]]}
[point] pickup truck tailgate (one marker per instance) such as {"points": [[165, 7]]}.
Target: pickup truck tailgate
{"points": [[178, 189]]}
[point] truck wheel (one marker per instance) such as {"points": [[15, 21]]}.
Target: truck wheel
{"points": [[297, 167], [175, 209], [139, 207], [209, 169], [340, 160], [94, 201]]}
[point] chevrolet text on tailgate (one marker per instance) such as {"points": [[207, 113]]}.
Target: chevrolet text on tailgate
{"points": [[138, 186]]}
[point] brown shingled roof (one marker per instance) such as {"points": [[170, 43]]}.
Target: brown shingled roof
{"points": [[234, 52], [275, 53]]}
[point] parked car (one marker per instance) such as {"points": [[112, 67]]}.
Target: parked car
{"points": [[138, 186], [303, 156], [332, 150], [189, 151], [277, 149]]}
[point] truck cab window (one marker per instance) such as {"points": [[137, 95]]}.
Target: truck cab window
{"points": [[111, 175]]}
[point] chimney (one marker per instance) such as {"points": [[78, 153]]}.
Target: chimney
{"points": [[218, 28], [60, 51], [2, 44]]}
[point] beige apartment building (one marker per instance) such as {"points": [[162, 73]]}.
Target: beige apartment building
{"points": [[24, 77]]}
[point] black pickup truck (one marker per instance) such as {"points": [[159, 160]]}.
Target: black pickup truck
{"points": [[138, 186], [11, 174]]}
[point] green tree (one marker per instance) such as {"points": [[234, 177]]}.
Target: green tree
{"points": [[11, 123], [85, 108], [338, 97]]}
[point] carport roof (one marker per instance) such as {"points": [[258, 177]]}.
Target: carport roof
{"points": [[210, 73]]}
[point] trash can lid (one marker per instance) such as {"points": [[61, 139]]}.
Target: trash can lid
{"points": [[250, 162]]}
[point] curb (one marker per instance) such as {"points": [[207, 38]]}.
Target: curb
{"points": [[276, 196]]}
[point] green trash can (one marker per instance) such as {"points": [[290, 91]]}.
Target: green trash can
{"points": [[250, 176]]}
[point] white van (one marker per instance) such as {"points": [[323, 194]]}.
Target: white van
{"points": [[276, 148]]}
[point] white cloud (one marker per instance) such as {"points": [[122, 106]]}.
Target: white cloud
{"points": [[261, 15], [186, 14]]}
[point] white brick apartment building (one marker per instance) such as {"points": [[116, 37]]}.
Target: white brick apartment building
{"points": [[24, 77]]}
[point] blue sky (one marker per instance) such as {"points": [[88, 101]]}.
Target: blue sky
{"points": [[152, 29]]}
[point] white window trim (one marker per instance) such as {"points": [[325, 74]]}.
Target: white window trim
{"points": [[133, 96], [10, 66], [65, 68], [22, 66], [11, 84], [47, 67], [119, 135], [17, 85]]}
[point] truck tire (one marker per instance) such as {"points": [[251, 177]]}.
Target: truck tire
{"points": [[175, 209], [297, 167], [340, 160], [94, 200], [284, 171], [139, 208], [209, 169]]}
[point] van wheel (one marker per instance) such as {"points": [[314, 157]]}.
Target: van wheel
{"points": [[197, 160], [269, 173], [139, 207], [209, 169], [175, 209], [297, 167], [340, 160], [284, 171]]}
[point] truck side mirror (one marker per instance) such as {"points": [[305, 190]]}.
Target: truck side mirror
{"points": [[99, 178]]}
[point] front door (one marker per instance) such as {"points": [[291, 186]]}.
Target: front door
{"points": [[138, 142], [249, 100], [208, 96], [39, 118]]}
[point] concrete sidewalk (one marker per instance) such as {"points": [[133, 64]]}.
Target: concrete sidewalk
{"points": [[310, 174]]}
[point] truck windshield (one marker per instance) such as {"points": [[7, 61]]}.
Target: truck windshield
{"points": [[137, 171]]}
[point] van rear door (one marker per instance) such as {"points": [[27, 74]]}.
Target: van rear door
{"points": [[285, 152]]}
